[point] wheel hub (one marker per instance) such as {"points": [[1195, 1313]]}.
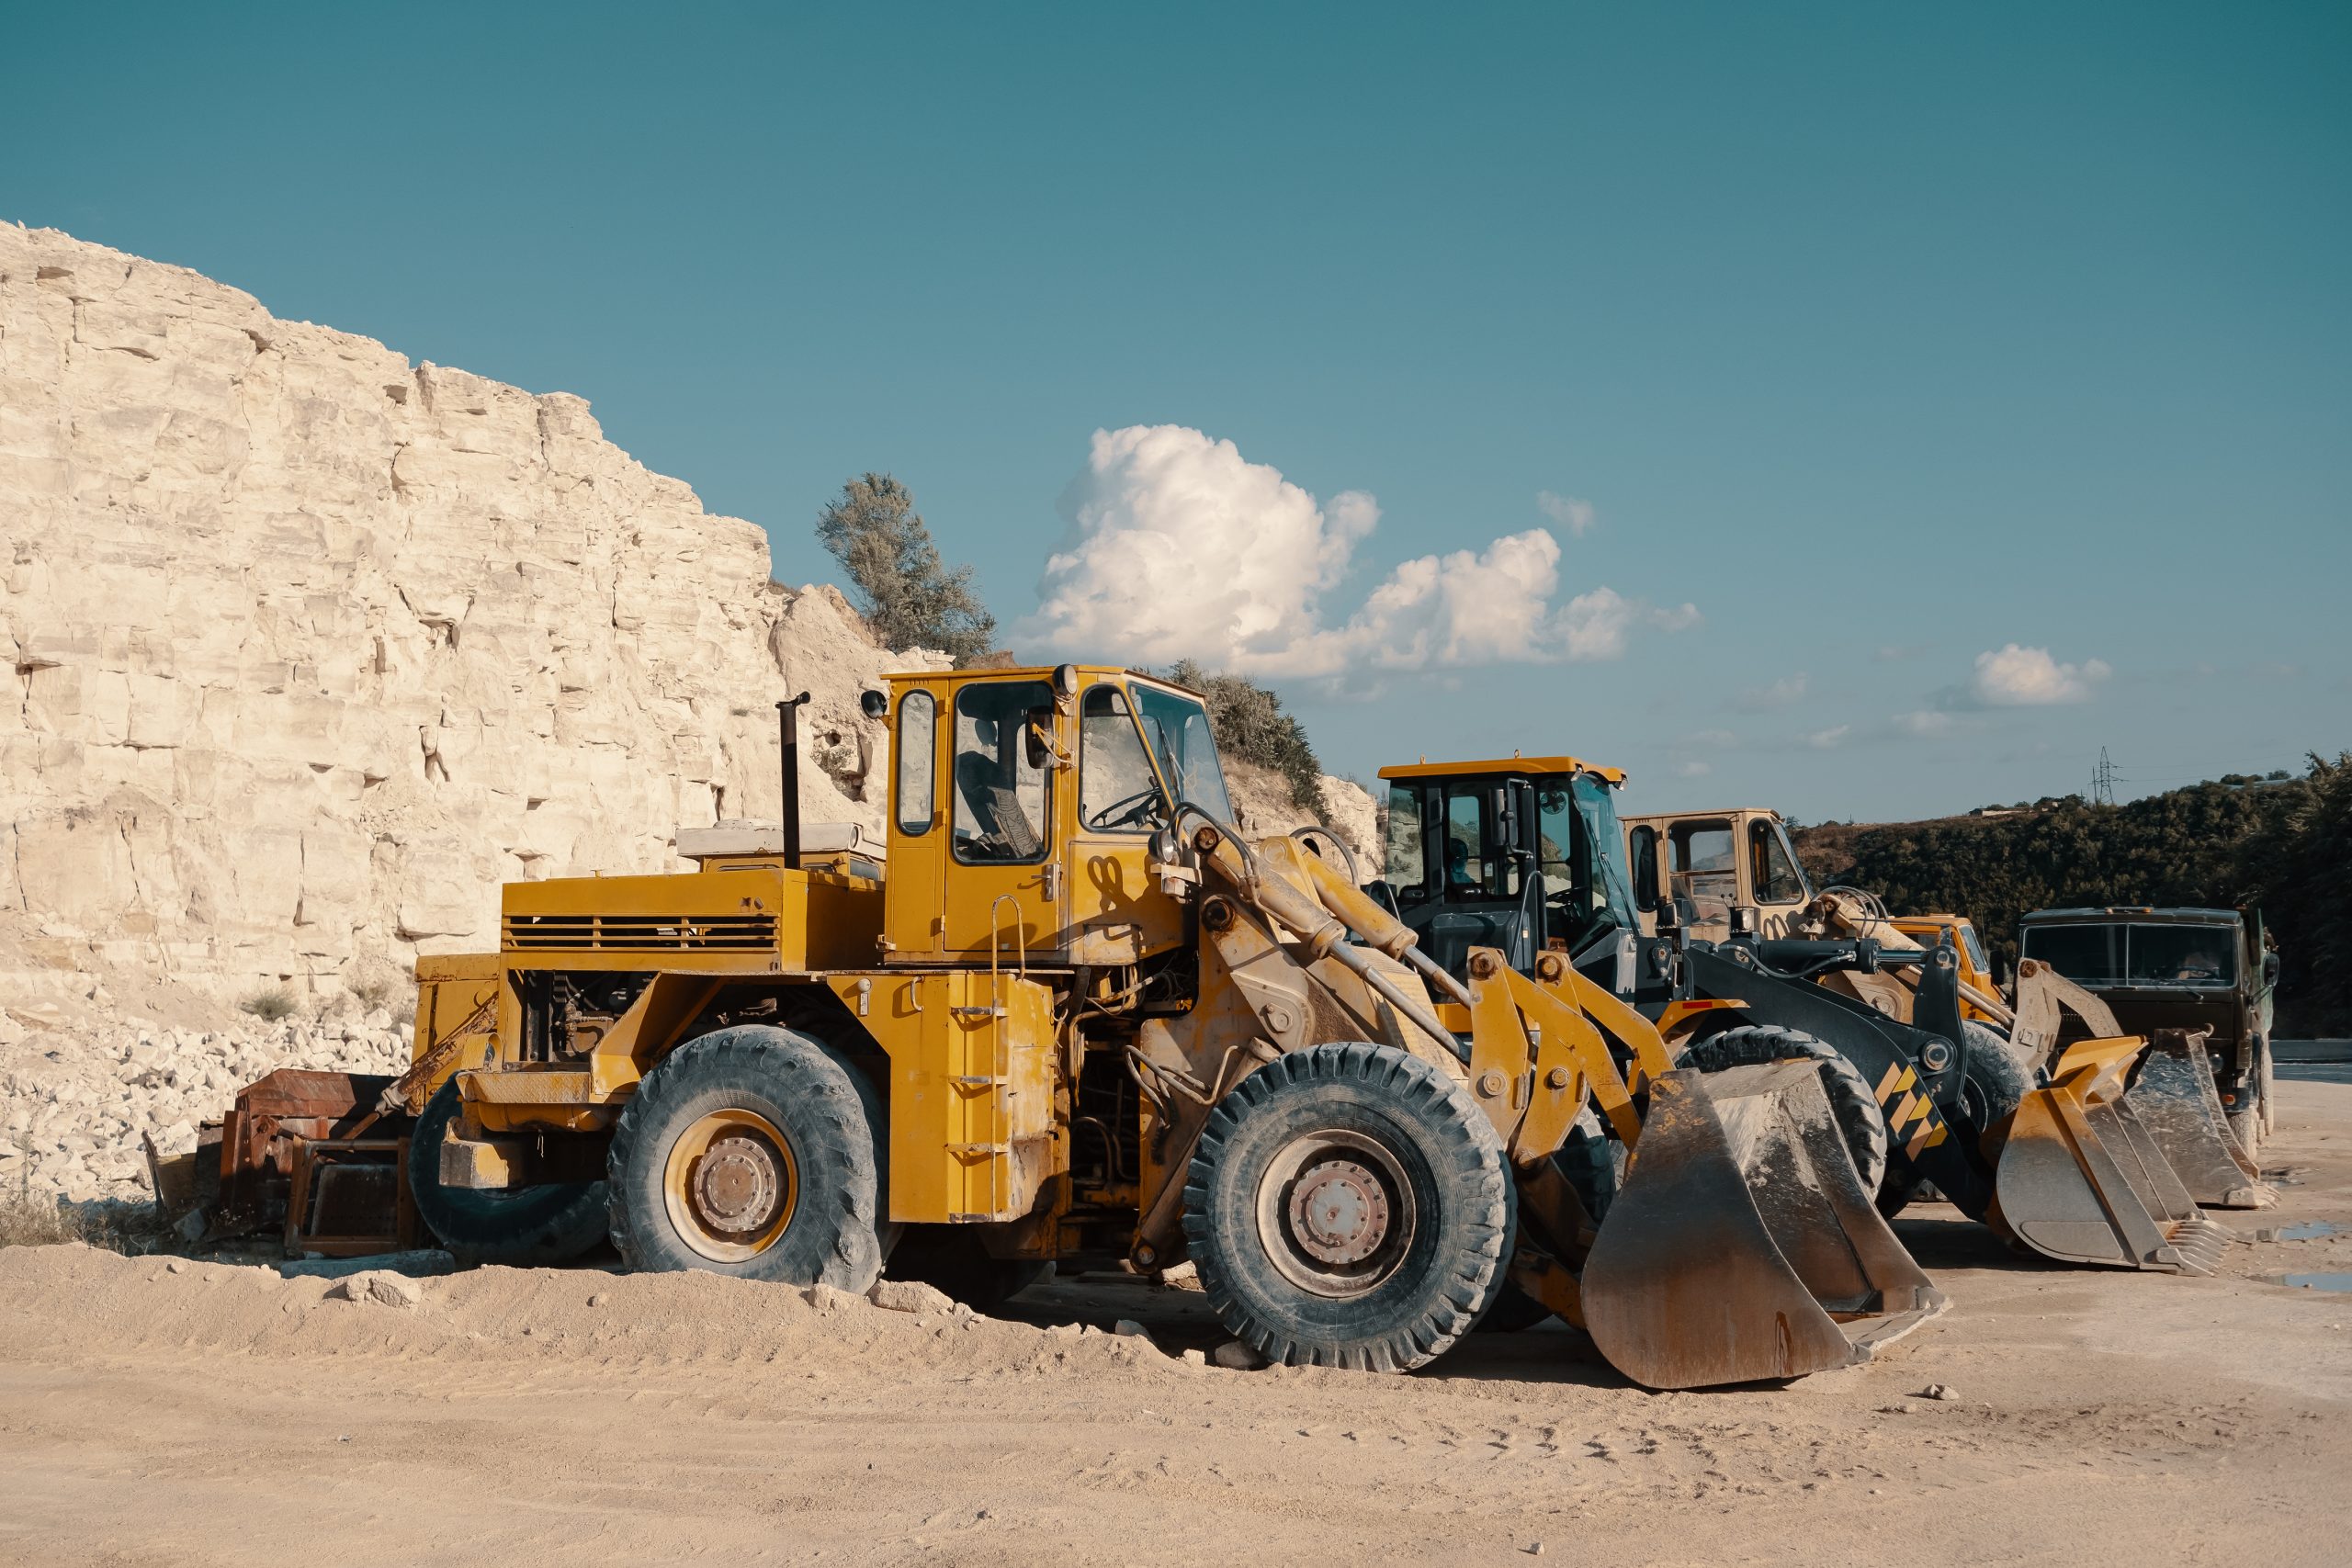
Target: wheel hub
{"points": [[1339, 1212], [736, 1184], [730, 1184], [1336, 1211]]}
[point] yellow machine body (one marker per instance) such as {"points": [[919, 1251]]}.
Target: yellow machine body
{"points": [[1063, 964]]}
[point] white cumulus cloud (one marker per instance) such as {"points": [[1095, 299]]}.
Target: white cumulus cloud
{"points": [[2017, 676], [1569, 512], [1180, 547]]}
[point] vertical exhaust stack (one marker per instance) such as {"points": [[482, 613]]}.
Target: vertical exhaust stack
{"points": [[787, 724]]}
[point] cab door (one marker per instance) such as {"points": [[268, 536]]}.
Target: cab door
{"points": [[914, 891], [1118, 914], [1008, 767]]}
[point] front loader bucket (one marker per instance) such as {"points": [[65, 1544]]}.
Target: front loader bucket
{"points": [[1742, 1245], [2176, 1100], [2082, 1180]]}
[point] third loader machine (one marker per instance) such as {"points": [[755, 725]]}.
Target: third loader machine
{"points": [[1065, 1011], [1527, 856]]}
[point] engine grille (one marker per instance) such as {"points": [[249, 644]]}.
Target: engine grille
{"points": [[640, 933]]}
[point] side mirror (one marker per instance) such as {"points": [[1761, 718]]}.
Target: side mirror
{"points": [[2269, 968], [1641, 845], [1037, 741], [874, 705]]}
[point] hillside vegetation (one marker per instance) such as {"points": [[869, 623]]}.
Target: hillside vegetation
{"points": [[2281, 845]]}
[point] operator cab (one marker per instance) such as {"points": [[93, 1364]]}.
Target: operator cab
{"points": [[1023, 805], [1704, 864], [1522, 853]]}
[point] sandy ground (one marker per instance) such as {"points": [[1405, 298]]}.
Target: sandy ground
{"points": [[158, 1412]]}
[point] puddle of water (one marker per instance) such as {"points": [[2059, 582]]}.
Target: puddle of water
{"points": [[2309, 1230], [2341, 1284]]}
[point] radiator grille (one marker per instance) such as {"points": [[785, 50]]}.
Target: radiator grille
{"points": [[641, 933]]}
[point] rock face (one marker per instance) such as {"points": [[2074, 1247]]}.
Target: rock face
{"points": [[73, 1116], [314, 647]]}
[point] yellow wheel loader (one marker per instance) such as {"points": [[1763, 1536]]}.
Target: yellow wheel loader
{"points": [[2097, 1150], [1065, 1012]]}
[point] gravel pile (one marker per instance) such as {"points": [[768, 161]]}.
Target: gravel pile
{"points": [[74, 1103]]}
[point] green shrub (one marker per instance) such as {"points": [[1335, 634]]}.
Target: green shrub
{"points": [[2282, 846], [906, 592], [270, 1006], [1250, 724]]}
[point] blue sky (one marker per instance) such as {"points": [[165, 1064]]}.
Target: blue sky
{"points": [[1982, 376]]}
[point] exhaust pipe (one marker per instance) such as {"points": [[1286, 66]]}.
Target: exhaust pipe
{"points": [[787, 724]]}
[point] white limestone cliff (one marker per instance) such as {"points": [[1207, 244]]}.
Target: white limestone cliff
{"points": [[312, 648]]}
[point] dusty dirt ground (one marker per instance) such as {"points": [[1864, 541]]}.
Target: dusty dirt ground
{"points": [[155, 1413]]}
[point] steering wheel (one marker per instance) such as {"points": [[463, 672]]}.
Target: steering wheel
{"points": [[1120, 813]]}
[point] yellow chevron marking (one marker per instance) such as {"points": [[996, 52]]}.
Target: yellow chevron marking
{"points": [[1886, 1084], [1944, 1130], [1922, 1141], [1901, 1114]]}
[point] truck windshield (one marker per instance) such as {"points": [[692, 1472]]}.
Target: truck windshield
{"points": [[2125, 954], [2179, 955], [1181, 742]]}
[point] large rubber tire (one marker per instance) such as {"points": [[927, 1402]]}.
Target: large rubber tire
{"points": [[1859, 1121], [2249, 1122], [951, 1258], [1445, 1211], [2269, 1082], [524, 1228], [817, 1104]]}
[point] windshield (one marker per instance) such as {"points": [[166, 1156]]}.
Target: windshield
{"points": [[2179, 955], [2137, 954], [1117, 791], [1771, 863], [1177, 729], [1604, 841]]}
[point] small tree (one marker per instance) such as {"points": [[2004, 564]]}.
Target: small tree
{"points": [[1249, 723], [904, 589]]}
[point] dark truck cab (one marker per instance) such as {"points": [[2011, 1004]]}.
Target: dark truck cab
{"points": [[2176, 968]]}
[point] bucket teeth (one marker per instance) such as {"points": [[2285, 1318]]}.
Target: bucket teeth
{"points": [[2196, 1245], [2083, 1180]]}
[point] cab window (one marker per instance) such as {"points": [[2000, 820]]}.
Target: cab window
{"points": [[1478, 864], [1117, 792], [917, 717], [2089, 955], [1775, 870], [1699, 862], [1000, 780], [1406, 860], [1184, 742], [1555, 839]]}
